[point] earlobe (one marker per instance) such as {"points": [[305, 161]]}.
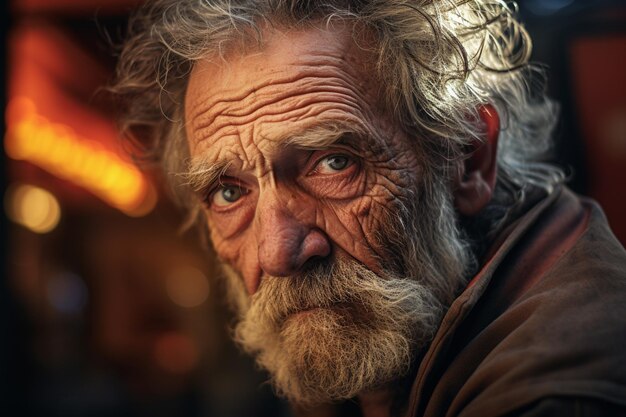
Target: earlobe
{"points": [[476, 180]]}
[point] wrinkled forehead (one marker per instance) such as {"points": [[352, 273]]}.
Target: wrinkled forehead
{"points": [[284, 62]]}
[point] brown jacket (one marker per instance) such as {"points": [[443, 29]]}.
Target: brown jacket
{"points": [[541, 329]]}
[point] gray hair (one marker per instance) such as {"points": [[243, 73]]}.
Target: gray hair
{"points": [[437, 60]]}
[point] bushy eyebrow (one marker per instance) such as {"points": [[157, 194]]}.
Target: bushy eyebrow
{"points": [[327, 134], [202, 174]]}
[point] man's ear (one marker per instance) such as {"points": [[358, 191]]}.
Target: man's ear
{"points": [[476, 180]]}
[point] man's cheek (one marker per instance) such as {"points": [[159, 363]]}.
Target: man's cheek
{"points": [[230, 224], [354, 228], [231, 251]]}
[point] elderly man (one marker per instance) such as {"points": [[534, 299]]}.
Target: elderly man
{"points": [[368, 174]]}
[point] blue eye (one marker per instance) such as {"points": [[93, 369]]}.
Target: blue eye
{"points": [[334, 163], [227, 194]]}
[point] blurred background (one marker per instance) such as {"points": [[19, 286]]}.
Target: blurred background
{"points": [[106, 309]]}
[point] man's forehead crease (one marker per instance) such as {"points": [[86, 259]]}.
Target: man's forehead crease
{"points": [[205, 109], [226, 117], [230, 91]]}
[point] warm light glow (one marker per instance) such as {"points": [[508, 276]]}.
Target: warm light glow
{"points": [[187, 287], [176, 353], [32, 207], [60, 151]]}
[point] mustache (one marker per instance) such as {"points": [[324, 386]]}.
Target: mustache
{"points": [[343, 285], [316, 287]]}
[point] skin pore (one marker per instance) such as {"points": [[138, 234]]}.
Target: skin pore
{"points": [[307, 165]]}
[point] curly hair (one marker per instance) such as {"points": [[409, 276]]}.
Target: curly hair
{"points": [[437, 60]]}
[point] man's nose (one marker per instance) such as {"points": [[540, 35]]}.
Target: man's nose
{"points": [[285, 242]]}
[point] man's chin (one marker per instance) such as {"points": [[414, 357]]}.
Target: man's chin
{"points": [[321, 355]]}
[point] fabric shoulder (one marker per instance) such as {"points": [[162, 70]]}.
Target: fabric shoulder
{"points": [[563, 335]]}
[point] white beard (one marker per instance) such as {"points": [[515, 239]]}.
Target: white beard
{"points": [[334, 331]]}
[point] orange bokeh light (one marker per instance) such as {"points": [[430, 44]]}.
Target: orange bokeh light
{"points": [[57, 149]]}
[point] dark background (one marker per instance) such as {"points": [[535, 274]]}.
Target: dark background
{"points": [[111, 312]]}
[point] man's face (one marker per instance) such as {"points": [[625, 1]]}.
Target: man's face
{"points": [[309, 166], [310, 193]]}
